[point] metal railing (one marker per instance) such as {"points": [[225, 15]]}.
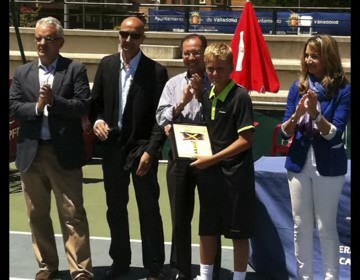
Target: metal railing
{"points": [[33, 1], [81, 14]]}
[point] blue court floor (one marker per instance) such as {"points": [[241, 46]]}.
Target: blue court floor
{"points": [[23, 265]]}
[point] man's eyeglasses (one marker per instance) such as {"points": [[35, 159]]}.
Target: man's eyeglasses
{"points": [[133, 35], [47, 39], [196, 54]]}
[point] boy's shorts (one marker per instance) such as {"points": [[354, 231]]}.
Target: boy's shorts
{"points": [[227, 204]]}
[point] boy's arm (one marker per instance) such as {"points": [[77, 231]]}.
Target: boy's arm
{"points": [[243, 143]]}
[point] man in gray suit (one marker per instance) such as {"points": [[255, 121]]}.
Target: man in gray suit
{"points": [[48, 97]]}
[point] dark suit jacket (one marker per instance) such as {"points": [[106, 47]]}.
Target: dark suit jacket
{"points": [[71, 101], [140, 132]]}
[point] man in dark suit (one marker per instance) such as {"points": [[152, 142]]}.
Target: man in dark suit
{"points": [[126, 91], [48, 97]]}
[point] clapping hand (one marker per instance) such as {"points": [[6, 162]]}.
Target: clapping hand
{"points": [[312, 103], [45, 97], [196, 85]]}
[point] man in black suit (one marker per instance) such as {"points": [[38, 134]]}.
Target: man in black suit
{"points": [[48, 97], [126, 91]]}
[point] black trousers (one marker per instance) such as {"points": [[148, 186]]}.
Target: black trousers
{"points": [[181, 183], [147, 191]]}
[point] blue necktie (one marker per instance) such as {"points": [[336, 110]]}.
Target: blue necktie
{"points": [[48, 69]]}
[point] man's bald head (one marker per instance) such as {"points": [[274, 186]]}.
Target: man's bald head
{"points": [[133, 22]]}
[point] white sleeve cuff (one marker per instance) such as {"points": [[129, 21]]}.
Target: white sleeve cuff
{"points": [[46, 112], [331, 133], [283, 131], [97, 121], [36, 110]]}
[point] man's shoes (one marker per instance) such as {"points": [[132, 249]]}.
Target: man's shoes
{"points": [[197, 277], [155, 276], [216, 275], [83, 278], [179, 276], [116, 271], [46, 274]]}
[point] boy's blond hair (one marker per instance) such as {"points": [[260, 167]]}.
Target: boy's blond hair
{"points": [[220, 51]]}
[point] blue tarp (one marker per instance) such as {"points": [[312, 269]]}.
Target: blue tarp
{"points": [[272, 248], [226, 22]]}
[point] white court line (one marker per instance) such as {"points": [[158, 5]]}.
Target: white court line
{"points": [[108, 239]]}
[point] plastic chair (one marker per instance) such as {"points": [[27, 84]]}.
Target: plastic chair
{"points": [[278, 145], [306, 21]]}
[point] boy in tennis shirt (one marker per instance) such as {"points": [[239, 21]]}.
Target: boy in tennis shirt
{"points": [[227, 193]]}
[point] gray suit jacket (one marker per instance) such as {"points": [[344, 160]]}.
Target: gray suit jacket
{"points": [[71, 102]]}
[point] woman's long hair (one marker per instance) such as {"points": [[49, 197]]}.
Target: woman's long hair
{"points": [[334, 77]]}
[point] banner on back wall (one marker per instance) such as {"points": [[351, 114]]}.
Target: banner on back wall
{"points": [[227, 21]]}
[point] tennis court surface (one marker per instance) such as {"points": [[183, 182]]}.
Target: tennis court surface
{"points": [[23, 265]]}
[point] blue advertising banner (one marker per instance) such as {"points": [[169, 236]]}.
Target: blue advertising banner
{"points": [[226, 22]]}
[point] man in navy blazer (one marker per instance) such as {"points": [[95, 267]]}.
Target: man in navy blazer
{"points": [[126, 91], [48, 97]]}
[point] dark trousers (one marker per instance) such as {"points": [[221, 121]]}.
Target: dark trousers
{"points": [[181, 183], [147, 191]]}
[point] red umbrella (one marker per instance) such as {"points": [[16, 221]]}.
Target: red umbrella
{"points": [[253, 67]]}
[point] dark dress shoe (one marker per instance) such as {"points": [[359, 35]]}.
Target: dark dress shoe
{"points": [[46, 274], [116, 271], [216, 275], [155, 276], [84, 277], [179, 276]]}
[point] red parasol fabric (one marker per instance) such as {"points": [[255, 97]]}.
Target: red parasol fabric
{"points": [[253, 67]]}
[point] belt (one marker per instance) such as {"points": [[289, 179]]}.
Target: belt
{"points": [[44, 142]]}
